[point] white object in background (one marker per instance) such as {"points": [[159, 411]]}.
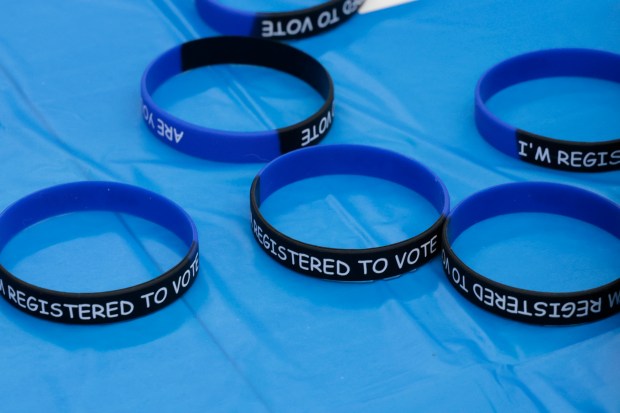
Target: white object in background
{"points": [[374, 5]]}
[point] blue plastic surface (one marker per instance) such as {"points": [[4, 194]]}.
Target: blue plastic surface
{"points": [[225, 19], [250, 335]]}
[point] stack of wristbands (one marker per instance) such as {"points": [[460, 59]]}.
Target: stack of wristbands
{"points": [[249, 40]]}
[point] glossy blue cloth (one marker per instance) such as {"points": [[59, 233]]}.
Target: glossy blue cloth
{"points": [[251, 335]]}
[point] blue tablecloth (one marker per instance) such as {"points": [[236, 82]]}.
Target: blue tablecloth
{"points": [[251, 335]]}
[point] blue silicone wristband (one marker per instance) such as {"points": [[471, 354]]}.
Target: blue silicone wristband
{"points": [[348, 264], [219, 145], [277, 25], [540, 150], [529, 306], [99, 307]]}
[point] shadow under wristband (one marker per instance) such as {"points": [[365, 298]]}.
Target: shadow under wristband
{"points": [[536, 307], [541, 150], [277, 25], [99, 307], [348, 264], [229, 146]]}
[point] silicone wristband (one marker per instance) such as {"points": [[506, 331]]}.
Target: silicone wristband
{"points": [[540, 150], [98, 307], [526, 305], [277, 25], [348, 264], [228, 146]]}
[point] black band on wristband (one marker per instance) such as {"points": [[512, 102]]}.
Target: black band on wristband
{"points": [[288, 25]]}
